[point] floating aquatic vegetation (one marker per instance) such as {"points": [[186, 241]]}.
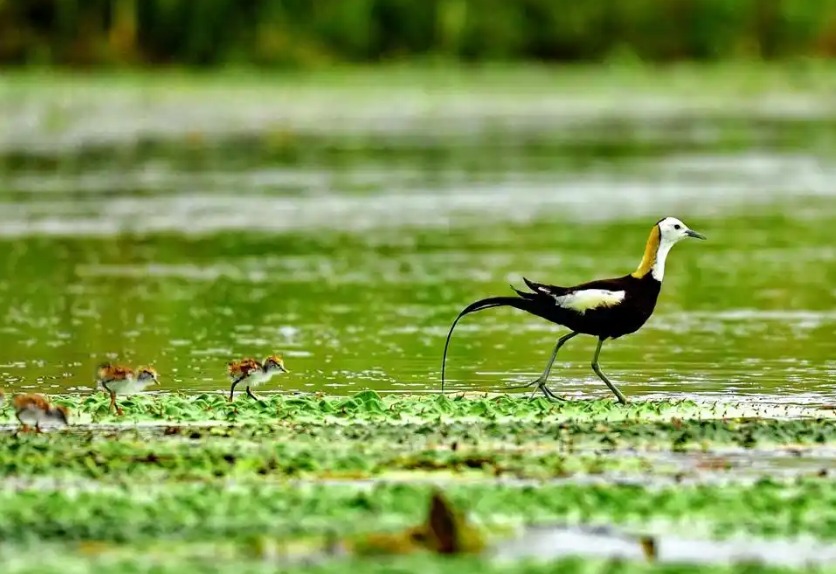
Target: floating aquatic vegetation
{"points": [[264, 481], [371, 407], [237, 509]]}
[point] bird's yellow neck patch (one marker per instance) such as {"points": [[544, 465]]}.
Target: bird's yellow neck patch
{"points": [[650, 251]]}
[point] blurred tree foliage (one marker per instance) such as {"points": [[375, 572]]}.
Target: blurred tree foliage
{"points": [[310, 32]]}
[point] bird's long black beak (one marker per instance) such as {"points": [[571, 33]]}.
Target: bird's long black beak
{"points": [[692, 233]]}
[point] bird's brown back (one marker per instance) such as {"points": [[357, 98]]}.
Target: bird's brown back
{"points": [[243, 367], [110, 372], [27, 400]]}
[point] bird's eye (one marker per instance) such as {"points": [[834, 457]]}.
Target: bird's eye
{"points": [[677, 226]]}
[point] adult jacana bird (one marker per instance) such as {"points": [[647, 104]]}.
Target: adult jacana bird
{"points": [[605, 308]]}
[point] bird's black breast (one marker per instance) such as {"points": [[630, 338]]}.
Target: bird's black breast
{"points": [[638, 305], [623, 318]]}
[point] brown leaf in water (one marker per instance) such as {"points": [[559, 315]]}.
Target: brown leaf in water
{"points": [[649, 548], [443, 532], [714, 463], [93, 547], [442, 526]]}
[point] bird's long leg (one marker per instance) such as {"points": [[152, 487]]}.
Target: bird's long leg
{"points": [[114, 406], [251, 394], [234, 384], [621, 398], [23, 426], [541, 380]]}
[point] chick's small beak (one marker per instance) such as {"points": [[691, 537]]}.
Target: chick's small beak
{"points": [[283, 369], [692, 233]]}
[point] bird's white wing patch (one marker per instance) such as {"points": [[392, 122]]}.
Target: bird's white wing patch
{"points": [[582, 301]]}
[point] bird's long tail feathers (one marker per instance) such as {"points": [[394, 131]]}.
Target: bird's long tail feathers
{"points": [[528, 305]]}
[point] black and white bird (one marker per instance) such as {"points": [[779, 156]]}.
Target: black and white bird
{"points": [[605, 308]]}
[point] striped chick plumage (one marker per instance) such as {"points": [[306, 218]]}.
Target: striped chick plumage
{"points": [[35, 410], [123, 380], [254, 373]]}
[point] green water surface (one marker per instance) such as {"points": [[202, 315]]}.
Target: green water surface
{"points": [[185, 222]]}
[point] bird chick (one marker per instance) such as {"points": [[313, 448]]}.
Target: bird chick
{"points": [[122, 380], [35, 410], [254, 373]]}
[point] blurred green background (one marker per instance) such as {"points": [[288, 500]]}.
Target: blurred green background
{"points": [[305, 34]]}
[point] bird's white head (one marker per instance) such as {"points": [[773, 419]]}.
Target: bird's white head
{"points": [[664, 235], [672, 230]]}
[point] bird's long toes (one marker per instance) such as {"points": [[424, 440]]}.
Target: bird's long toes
{"points": [[550, 394], [538, 382]]}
